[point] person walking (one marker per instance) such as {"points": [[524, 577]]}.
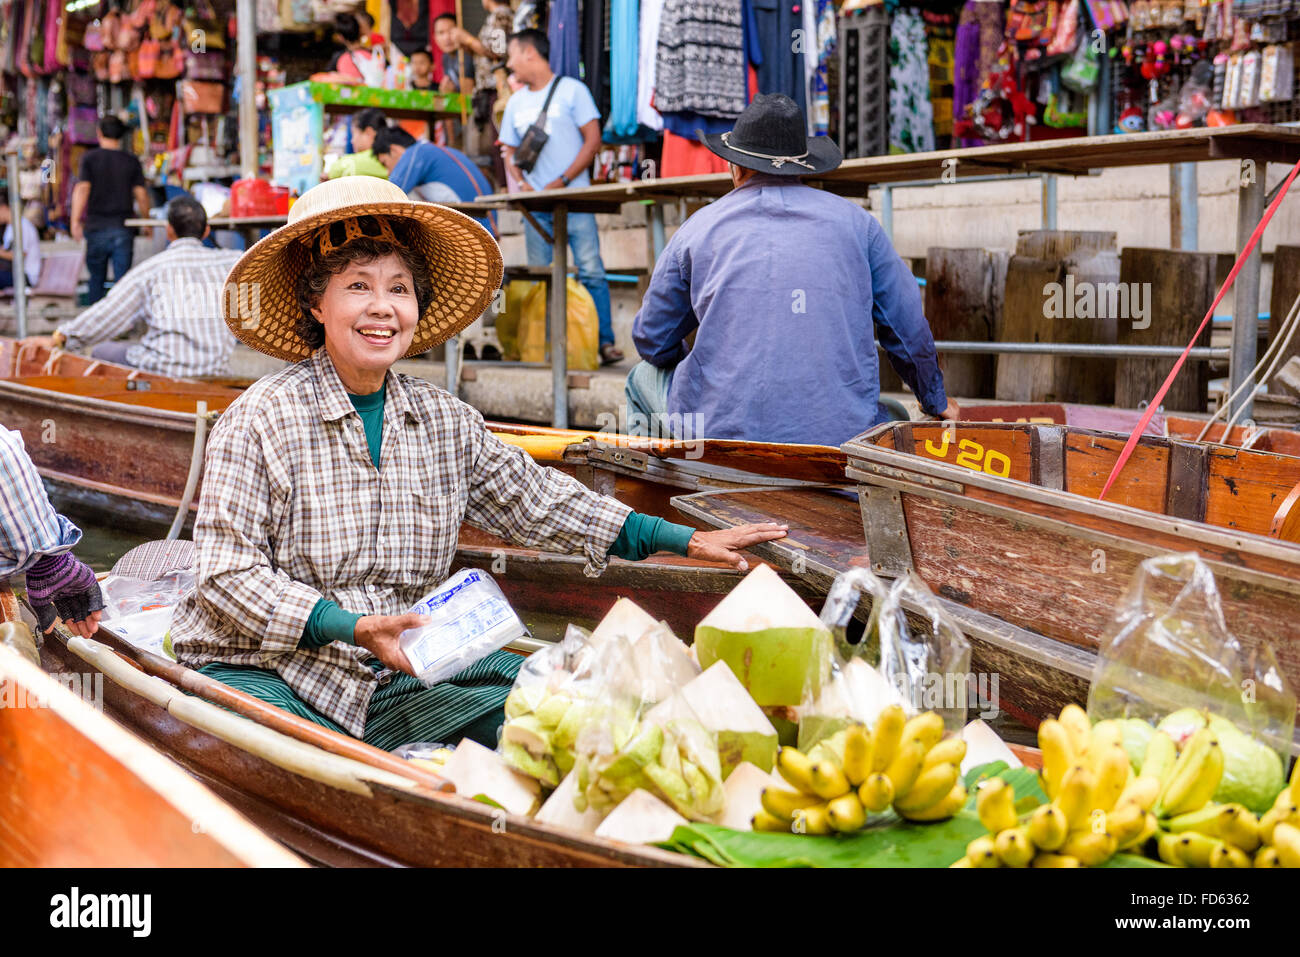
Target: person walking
{"points": [[563, 107], [109, 179]]}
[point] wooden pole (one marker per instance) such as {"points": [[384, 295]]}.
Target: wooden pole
{"points": [[460, 61]]}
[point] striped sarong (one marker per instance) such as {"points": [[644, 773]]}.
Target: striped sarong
{"points": [[403, 711]]}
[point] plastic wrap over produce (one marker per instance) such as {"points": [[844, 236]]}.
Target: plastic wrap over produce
{"points": [[926, 658], [848, 688], [1170, 662], [549, 704], [645, 734]]}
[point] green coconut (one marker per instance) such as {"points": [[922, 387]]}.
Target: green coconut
{"points": [[1136, 736], [769, 638], [724, 708], [1252, 771]]}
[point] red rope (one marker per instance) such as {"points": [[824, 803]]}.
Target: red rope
{"points": [[1227, 283]]}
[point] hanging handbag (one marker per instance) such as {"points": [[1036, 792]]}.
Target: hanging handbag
{"points": [[146, 63], [205, 66], [81, 89], [83, 125], [200, 96], [171, 61], [94, 39], [1081, 71], [203, 19], [534, 139]]}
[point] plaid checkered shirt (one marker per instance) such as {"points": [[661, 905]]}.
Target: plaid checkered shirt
{"points": [[178, 293], [294, 510], [30, 528]]}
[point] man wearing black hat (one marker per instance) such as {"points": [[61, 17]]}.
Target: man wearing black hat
{"points": [[789, 289]]}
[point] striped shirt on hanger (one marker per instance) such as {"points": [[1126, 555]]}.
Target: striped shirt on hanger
{"points": [[178, 293]]}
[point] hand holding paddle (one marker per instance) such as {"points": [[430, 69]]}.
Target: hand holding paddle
{"points": [[379, 635], [725, 544]]}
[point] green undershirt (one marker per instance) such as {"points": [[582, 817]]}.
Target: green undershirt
{"points": [[640, 537]]}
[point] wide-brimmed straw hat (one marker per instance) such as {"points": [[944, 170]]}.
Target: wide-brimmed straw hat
{"points": [[261, 301], [771, 136]]}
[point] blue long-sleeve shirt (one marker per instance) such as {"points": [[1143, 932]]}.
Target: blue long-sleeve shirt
{"points": [[790, 288], [430, 163]]}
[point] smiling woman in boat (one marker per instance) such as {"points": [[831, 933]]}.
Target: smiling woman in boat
{"points": [[334, 490]]}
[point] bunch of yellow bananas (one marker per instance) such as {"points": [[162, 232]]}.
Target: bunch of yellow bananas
{"points": [[904, 763], [1229, 835], [1097, 806]]}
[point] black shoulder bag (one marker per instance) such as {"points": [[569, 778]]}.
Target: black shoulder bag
{"points": [[535, 137]]}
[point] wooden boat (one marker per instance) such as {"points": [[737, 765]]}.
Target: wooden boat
{"points": [[332, 799], [76, 790], [1003, 522], [1187, 428], [88, 793]]}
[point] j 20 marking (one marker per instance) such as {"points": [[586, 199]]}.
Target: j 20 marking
{"points": [[971, 455]]}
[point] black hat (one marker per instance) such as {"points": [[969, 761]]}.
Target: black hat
{"points": [[771, 136]]}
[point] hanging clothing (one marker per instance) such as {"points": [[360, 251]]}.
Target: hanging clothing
{"points": [[595, 53], [819, 61], [701, 58], [979, 34], [687, 156], [409, 25], [782, 67], [564, 33], [647, 54], [940, 33], [623, 53], [911, 118]]}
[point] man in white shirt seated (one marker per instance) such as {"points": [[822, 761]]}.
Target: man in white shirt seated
{"points": [[178, 293], [31, 249]]}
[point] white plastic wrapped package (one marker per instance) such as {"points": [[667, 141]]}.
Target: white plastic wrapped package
{"points": [[140, 612], [470, 619]]}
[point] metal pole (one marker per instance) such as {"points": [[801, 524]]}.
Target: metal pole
{"points": [[15, 219], [246, 63], [887, 210], [1245, 300], [1183, 206], [451, 357], [1079, 350], [657, 236], [560, 317], [1049, 200]]}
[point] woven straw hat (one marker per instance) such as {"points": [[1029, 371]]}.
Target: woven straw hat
{"points": [[261, 301]]}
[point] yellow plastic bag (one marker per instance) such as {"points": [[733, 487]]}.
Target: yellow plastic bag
{"points": [[583, 327], [507, 321]]}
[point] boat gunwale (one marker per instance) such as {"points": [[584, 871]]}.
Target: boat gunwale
{"points": [[103, 408], [466, 809], [862, 450]]}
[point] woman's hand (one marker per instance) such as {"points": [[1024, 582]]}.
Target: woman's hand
{"points": [[725, 544], [378, 634]]}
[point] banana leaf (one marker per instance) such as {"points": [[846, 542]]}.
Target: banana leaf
{"points": [[887, 841]]}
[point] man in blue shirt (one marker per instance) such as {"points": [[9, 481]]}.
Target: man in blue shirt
{"points": [[788, 289], [572, 125], [429, 172]]}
